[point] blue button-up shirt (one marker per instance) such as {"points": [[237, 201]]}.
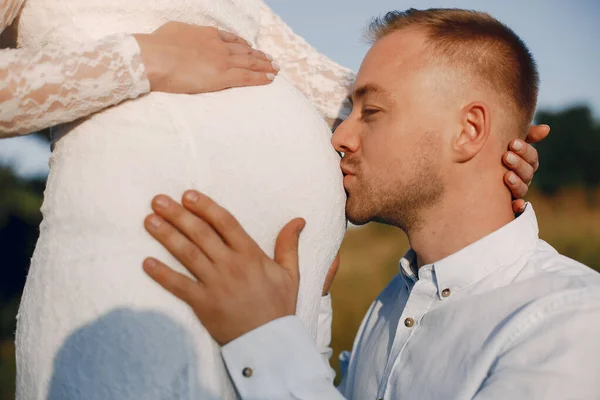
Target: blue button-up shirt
{"points": [[504, 318]]}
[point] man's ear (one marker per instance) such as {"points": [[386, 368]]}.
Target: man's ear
{"points": [[475, 124]]}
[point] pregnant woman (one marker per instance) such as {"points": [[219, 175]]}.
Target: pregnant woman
{"points": [[91, 325]]}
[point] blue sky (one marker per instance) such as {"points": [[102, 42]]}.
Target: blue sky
{"points": [[564, 37]]}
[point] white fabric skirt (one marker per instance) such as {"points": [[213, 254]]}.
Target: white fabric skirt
{"points": [[91, 324]]}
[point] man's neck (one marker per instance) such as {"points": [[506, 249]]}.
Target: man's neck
{"points": [[461, 219]]}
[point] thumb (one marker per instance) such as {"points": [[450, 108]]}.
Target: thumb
{"points": [[286, 246]]}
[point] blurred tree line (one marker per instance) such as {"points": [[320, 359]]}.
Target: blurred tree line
{"points": [[569, 156], [568, 159]]}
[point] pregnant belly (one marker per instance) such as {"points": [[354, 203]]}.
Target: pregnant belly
{"points": [[262, 152], [252, 149]]}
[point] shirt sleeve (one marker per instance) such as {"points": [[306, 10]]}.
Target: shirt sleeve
{"points": [[40, 88], [325, 83], [279, 361], [556, 355]]}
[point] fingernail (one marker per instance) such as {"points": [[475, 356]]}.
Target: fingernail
{"points": [[276, 66], [517, 145], [512, 179], [162, 201], [192, 197], [151, 264], [270, 76], [269, 57], [511, 159], [155, 221]]}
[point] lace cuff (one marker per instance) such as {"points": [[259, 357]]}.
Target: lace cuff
{"points": [[57, 84]]}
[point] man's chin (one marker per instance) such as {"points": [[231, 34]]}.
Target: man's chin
{"points": [[355, 217]]}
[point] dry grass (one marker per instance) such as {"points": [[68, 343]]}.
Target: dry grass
{"points": [[7, 370]]}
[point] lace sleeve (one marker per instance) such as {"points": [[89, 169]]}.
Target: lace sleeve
{"points": [[324, 82], [58, 84]]}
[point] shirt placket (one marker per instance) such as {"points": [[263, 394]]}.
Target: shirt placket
{"points": [[422, 297]]}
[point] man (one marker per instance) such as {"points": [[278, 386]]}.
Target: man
{"points": [[481, 309]]}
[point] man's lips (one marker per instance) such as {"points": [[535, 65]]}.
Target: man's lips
{"points": [[346, 171], [348, 176]]}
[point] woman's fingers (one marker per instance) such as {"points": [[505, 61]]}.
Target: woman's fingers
{"points": [[237, 77], [527, 152], [240, 49], [232, 38], [517, 187], [252, 63], [518, 206], [523, 169]]}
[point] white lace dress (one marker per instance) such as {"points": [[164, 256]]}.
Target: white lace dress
{"points": [[91, 324]]}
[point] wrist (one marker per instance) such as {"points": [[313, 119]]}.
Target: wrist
{"points": [[154, 64]]}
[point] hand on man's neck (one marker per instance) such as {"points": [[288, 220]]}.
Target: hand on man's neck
{"points": [[470, 210]]}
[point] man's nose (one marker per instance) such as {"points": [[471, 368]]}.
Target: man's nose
{"points": [[345, 138]]}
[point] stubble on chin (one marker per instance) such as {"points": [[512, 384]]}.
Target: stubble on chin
{"points": [[355, 211], [402, 202], [410, 205], [406, 207]]}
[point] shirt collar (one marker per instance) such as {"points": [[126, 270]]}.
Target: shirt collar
{"points": [[479, 259], [408, 268]]}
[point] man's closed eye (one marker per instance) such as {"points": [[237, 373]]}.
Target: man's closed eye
{"points": [[369, 113]]}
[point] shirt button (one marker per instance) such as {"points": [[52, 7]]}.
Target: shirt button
{"points": [[409, 322], [446, 292], [247, 372]]}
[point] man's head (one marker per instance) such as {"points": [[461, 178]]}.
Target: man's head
{"points": [[436, 101]]}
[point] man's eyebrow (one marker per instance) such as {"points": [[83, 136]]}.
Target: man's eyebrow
{"points": [[367, 89]]}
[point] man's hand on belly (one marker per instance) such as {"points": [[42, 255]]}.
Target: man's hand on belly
{"points": [[238, 287]]}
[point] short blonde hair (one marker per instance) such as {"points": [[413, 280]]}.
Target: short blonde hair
{"points": [[479, 42]]}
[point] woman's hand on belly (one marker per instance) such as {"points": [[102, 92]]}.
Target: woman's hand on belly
{"points": [[189, 59], [238, 288]]}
